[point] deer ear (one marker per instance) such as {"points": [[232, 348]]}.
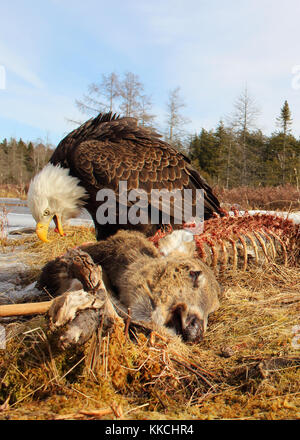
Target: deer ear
{"points": [[196, 276]]}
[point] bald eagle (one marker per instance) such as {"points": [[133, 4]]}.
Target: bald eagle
{"points": [[100, 154]]}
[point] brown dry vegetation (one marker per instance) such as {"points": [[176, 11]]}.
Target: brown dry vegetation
{"points": [[12, 190], [286, 197], [245, 368]]}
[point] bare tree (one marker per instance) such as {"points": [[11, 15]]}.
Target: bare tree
{"points": [[40, 155], [242, 120], [101, 96], [4, 168], [134, 102], [124, 96], [146, 117], [110, 89], [131, 91], [175, 120]]}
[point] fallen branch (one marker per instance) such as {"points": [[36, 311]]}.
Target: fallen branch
{"points": [[35, 308], [81, 267]]}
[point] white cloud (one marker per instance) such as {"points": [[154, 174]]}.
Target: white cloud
{"points": [[18, 65], [39, 108]]}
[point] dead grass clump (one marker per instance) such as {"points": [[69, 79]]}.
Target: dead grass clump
{"points": [[27, 368], [259, 308], [148, 372], [38, 254]]}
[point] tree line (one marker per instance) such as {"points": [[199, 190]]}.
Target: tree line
{"points": [[235, 153], [20, 161]]}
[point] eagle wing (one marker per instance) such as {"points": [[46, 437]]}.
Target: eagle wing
{"points": [[107, 150]]}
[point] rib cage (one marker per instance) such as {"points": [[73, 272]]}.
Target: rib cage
{"points": [[240, 240]]}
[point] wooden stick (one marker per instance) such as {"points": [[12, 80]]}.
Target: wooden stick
{"points": [[82, 267], [35, 308]]}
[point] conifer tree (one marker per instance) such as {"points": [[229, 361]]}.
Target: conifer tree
{"points": [[284, 121], [204, 154], [227, 160], [29, 162]]}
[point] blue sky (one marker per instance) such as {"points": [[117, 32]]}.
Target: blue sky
{"points": [[51, 50]]}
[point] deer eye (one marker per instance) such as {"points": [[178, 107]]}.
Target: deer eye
{"points": [[46, 213]]}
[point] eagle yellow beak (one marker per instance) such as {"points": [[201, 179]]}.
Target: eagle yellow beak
{"points": [[42, 231], [43, 227]]}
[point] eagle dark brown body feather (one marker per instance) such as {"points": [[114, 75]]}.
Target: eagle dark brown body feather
{"points": [[108, 149]]}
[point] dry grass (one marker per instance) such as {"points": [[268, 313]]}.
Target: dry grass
{"points": [[227, 375], [285, 197], [39, 253], [13, 190]]}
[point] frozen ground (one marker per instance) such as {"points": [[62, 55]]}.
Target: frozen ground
{"points": [[16, 215], [295, 216], [12, 262], [17, 221], [16, 218]]}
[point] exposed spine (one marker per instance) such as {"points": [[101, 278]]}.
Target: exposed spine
{"points": [[236, 241]]}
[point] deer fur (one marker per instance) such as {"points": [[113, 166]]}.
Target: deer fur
{"points": [[169, 289]]}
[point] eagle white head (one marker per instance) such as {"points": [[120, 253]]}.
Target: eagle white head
{"points": [[54, 194]]}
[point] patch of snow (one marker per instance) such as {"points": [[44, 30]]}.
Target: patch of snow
{"points": [[11, 290], [11, 293], [295, 216], [19, 221]]}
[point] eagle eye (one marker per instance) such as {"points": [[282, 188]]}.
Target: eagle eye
{"points": [[46, 213]]}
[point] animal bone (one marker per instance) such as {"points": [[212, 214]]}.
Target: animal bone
{"points": [[232, 242]]}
